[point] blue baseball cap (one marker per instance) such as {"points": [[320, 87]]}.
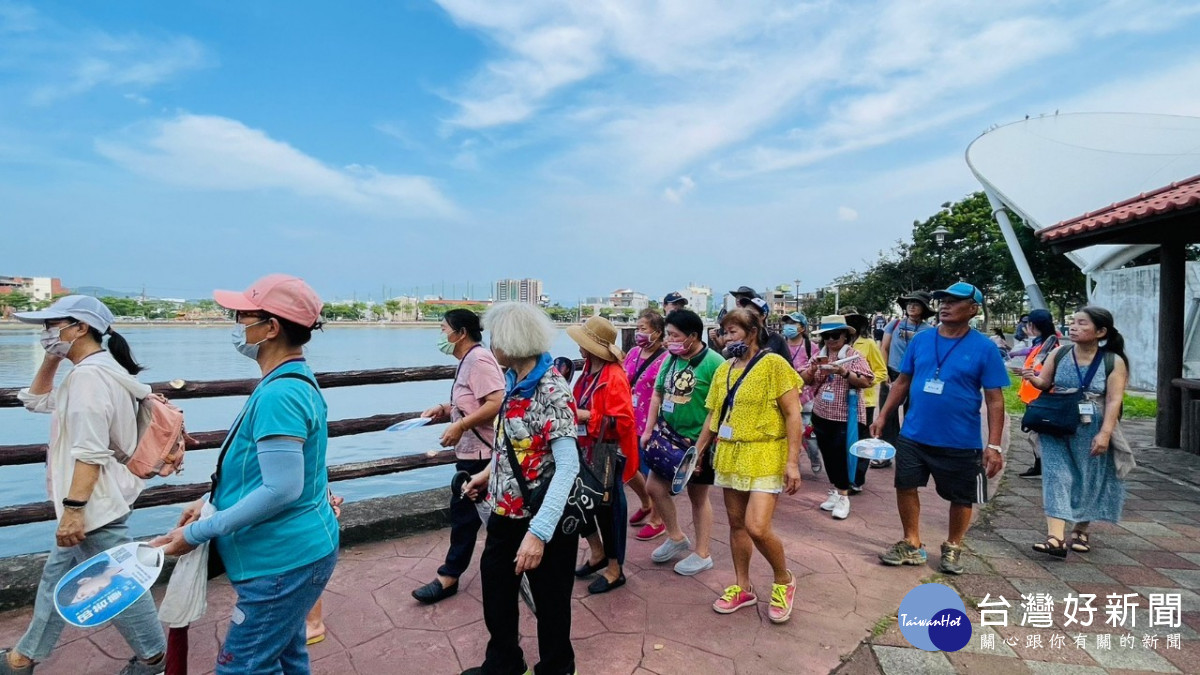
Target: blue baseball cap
{"points": [[797, 317], [961, 291], [674, 298], [82, 308]]}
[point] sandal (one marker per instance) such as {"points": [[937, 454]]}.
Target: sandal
{"points": [[1079, 542], [1052, 546]]}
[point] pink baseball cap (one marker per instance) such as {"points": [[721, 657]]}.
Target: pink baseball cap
{"points": [[282, 295]]}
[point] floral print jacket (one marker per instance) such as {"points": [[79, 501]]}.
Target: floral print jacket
{"points": [[530, 424]]}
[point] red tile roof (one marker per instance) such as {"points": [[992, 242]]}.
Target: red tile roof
{"points": [[1184, 194]]}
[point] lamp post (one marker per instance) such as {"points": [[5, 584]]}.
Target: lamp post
{"points": [[837, 299], [939, 237], [797, 282]]}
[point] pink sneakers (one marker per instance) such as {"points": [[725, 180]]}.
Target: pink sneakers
{"points": [[649, 532], [639, 517], [781, 600], [734, 599]]}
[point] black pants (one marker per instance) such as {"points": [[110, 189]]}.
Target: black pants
{"points": [[610, 522], [464, 524], [831, 439], [551, 583], [891, 426]]}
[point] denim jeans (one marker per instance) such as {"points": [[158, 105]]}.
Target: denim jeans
{"points": [[138, 625], [464, 524], [266, 632]]}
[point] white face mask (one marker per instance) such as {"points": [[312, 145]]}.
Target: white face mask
{"points": [[52, 343], [250, 351]]}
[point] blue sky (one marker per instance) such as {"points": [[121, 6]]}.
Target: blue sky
{"points": [[597, 145]]}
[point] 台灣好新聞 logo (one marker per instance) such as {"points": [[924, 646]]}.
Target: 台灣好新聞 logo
{"points": [[933, 617]]}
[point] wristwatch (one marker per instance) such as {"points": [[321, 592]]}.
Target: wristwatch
{"points": [[996, 448], [74, 503]]}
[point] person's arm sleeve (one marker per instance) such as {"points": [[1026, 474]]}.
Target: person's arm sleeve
{"points": [[89, 416], [37, 403], [285, 408], [995, 375], [566, 468], [660, 379], [281, 462]]}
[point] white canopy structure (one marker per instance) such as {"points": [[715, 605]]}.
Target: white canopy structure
{"points": [[1052, 168]]}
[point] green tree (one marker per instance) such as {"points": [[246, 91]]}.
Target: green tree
{"points": [[17, 301]]}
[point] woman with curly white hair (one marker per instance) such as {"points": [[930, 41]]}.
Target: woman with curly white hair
{"points": [[537, 429]]}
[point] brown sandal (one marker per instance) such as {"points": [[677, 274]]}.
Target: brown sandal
{"points": [[1079, 542], [1052, 546]]}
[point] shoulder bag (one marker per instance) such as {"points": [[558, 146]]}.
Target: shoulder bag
{"points": [[1057, 413]]}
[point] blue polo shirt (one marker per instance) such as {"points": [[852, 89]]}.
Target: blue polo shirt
{"points": [[969, 364], [305, 531]]}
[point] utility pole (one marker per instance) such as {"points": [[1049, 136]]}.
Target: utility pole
{"points": [[797, 282]]}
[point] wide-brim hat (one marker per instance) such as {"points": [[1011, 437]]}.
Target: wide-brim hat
{"points": [[745, 291], [834, 322], [852, 311], [922, 297], [598, 337]]}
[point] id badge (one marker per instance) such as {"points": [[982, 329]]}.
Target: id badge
{"points": [[934, 386], [581, 430], [635, 400], [668, 406], [725, 431], [827, 396], [1088, 408]]}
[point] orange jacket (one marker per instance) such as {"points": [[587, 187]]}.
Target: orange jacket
{"points": [[1028, 392], [610, 396]]}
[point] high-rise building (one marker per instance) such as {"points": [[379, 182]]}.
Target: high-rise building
{"points": [[699, 298], [519, 290]]}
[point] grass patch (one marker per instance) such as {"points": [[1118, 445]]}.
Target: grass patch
{"points": [[881, 626], [1135, 406]]}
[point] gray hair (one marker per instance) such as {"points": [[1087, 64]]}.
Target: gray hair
{"points": [[519, 330]]}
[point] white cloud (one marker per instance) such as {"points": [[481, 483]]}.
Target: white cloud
{"points": [[640, 91], [847, 214], [217, 153], [684, 185], [120, 62]]}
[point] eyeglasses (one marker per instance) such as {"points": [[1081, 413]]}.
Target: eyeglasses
{"points": [[257, 316]]}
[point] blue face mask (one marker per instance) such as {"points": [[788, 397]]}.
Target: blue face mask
{"points": [[791, 330], [250, 351]]}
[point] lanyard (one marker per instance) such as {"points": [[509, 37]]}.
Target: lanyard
{"points": [[937, 351], [589, 390], [1085, 381], [731, 390]]}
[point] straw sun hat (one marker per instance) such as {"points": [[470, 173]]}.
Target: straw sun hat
{"points": [[598, 337]]}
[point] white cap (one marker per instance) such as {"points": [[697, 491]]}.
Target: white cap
{"points": [[82, 308]]}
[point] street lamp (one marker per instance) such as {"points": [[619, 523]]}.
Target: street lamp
{"points": [[837, 299], [797, 282], [939, 237]]}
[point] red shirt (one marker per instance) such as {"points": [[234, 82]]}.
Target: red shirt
{"points": [[606, 394]]}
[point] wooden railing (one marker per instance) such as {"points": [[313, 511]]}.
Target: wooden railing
{"points": [[160, 495]]}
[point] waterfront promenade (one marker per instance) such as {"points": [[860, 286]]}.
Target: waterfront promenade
{"points": [[662, 623]]}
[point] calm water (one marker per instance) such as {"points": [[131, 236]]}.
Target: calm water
{"points": [[205, 353]]}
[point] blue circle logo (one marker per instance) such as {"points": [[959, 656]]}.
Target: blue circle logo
{"points": [[933, 617]]}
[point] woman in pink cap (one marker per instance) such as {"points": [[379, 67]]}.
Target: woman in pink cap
{"points": [[274, 528]]}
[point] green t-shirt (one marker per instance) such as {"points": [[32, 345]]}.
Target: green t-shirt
{"points": [[684, 385]]}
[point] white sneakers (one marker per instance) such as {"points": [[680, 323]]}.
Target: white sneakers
{"points": [[831, 501], [842, 508]]}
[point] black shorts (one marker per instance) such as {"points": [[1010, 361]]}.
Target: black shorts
{"points": [[707, 474], [958, 474]]}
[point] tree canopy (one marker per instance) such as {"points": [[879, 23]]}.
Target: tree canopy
{"points": [[973, 250]]}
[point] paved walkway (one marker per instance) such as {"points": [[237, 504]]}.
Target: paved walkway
{"points": [[662, 623], [1154, 550]]}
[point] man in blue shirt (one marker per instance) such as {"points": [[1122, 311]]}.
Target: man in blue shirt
{"points": [[942, 374]]}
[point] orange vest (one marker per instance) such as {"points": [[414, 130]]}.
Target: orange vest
{"points": [[1028, 392]]}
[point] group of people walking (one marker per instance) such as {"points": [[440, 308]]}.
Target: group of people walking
{"points": [[749, 402]]}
